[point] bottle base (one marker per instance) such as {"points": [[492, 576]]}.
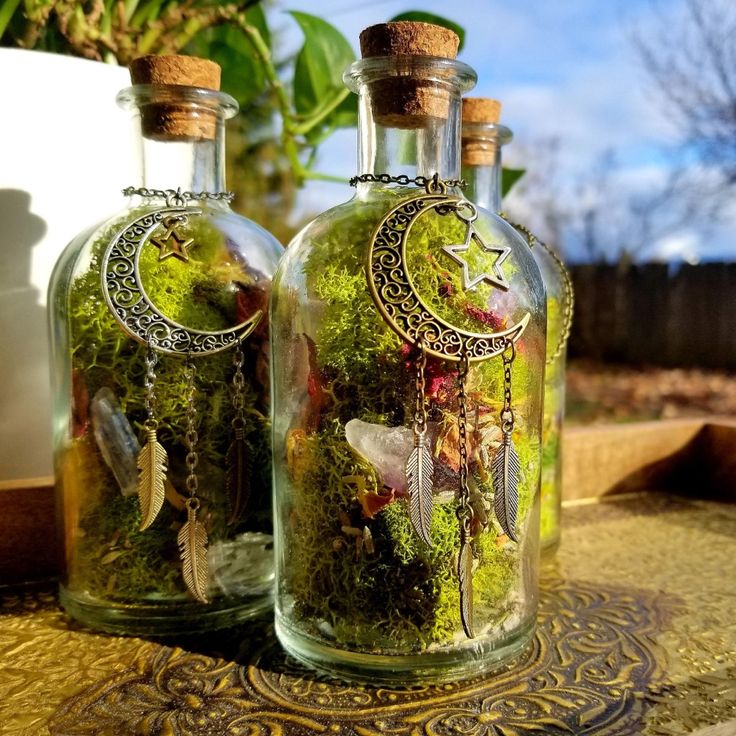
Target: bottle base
{"points": [[480, 657], [161, 620]]}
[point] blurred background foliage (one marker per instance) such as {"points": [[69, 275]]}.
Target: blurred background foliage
{"points": [[290, 104]]}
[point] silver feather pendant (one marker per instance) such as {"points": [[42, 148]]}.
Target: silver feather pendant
{"points": [[505, 469], [237, 479], [192, 541], [419, 474], [152, 465], [465, 577]]}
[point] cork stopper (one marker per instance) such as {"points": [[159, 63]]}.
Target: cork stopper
{"points": [[477, 150], [407, 100], [408, 38], [169, 120], [481, 110]]}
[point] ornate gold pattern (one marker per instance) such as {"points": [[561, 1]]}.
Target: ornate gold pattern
{"points": [[608, 660], [590, 660], [47, 658]]}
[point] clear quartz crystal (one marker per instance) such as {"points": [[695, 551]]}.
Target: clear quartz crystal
{"points": [[358, 593], [115, 440], [484, 187], [116, 577]]}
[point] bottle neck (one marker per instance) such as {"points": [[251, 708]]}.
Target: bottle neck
{"points": [[179, 135], [416, 151], [482, 166], [409, 115], [483, 181], [192, 165]]}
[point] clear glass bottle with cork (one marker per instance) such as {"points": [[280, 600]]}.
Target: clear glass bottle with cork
{"points": [[408, 332], [159, 336], [483, 136]]}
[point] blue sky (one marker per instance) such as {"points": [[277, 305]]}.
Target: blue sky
{"points": [[564, 69]]}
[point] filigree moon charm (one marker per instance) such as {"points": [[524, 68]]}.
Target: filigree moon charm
{"points": [[133, 308], [395, 295]]}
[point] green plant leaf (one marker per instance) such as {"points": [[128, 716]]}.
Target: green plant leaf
{"points": [[509, 177], [319, 65], [243, 76], [423, 17], [7, 8]]}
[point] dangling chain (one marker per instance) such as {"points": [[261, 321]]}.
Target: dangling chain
{"points": [[192, 437], [152, 462], [151, 422], [507, 413], [192, 538], [505, 466], [420, 406], [465, 511], [420, 465], [238, 423], [237, 477]]}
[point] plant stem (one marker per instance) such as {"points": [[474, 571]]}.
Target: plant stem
{"points": [[320, 115], [290, 128]]}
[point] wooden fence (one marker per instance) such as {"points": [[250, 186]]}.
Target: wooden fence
{"points": [[655, 313]]}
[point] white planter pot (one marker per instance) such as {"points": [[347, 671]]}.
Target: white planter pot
{"points": [[65, 158]]}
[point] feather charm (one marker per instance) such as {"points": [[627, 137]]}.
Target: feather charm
{"points": [[419, 472], [192, 541], [237, 479], [152, 464], [505, 469], [465, 577]]}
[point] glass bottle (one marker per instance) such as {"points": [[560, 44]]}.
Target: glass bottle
{"points": [[482, 139], [375, 581], [158, 323]]}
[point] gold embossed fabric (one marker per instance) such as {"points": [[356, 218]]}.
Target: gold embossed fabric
{"points": [[636, 636]]}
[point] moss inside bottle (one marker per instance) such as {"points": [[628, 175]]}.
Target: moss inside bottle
{"points": [[158, 322], [375, 581], [482, 140]]}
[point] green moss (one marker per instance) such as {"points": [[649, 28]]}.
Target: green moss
{"points": [[405, 595], [103, 355], [551, 486], [495, 575]]}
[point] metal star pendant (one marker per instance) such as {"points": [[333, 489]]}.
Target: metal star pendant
{"points": [[171, 243], [496, 277]]}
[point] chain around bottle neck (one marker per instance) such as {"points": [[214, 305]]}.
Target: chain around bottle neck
{"points": [[177, 198], [433, 184]]}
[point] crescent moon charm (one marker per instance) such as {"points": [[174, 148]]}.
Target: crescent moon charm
{"points": [[396, 297], [133, 308]]}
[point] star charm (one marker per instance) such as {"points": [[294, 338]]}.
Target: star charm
{"points": [[171, 243], [496, 277]]}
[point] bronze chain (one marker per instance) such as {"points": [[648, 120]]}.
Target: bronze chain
{"points": [[420, 408], [192, 438], [507, 413], [238, 423], [465, 510], [149, 403], [432, 184], [177, 198]]}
